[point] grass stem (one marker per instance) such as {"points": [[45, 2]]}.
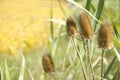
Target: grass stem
{"points": [[102, 65], [67, 50], [90, 62], [50, 77], [31, 75], [117, 53], [81, 62], [60, 4], [51, 23], [88, 3]]}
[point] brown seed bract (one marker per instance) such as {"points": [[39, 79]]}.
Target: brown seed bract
{"points": [[104, 36], [85, 26], [47, 63], [71, 26]]}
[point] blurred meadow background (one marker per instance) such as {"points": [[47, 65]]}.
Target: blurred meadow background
{"points": [[30, 28]]}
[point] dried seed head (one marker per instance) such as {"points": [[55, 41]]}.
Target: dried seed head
{"points": [[104, 36], [47, 63], [71, 26], [85, 26]]}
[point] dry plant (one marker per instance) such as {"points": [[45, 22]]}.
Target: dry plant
{"points": [[48, 64], [104, 41], [71, 26], [86, 33]]}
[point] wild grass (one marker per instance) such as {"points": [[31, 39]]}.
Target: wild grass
{"points": [[68, 54]]}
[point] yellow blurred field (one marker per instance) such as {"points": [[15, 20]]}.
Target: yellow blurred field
{"points": [[25, 21]]}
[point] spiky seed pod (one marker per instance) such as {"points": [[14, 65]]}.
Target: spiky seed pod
{"points": [[104, 36], [71, 26], [85, 26], [47, 63]]}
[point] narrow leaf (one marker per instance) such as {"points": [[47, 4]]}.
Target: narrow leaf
{"points": [[21, 76], [1, 74], [51, 23], [59, 1], [116, 34], [117, 54], [109, 68], [99, 11], [7, 73], [88, 4]]}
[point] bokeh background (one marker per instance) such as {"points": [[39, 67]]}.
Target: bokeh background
{"points": [[26, 20]]}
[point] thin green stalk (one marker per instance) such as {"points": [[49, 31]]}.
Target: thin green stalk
{"points": [[66, 72], [102, 65], [99, 11], [90, 62], [81, 61], [116, 52], [56, 43], [59, 1], [51, 23], [88, 3], [84, 44], [109, 67], [116, 33], [22, 70], [117, 74], [1, 74], [66, 52], [7, 73]]}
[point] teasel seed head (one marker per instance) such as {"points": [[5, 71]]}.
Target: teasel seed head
{"points": [[71, 26], [85, 26], [47, 63], [104, 36]]}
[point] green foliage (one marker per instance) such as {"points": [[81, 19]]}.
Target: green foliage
{"points": [[99, 11], [21, 76], [109, 68], [51, 24], [88, 4]]}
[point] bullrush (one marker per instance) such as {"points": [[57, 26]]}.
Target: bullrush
{"points": [[71, 26], [47, 63], [85, 26], [104, 36]]}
